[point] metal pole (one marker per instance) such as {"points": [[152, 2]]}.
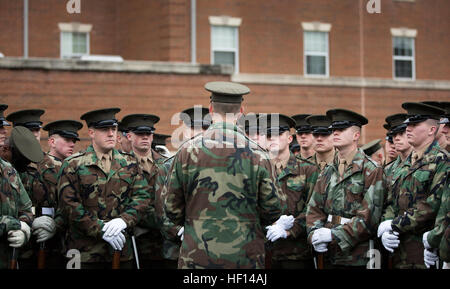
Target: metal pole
{"points": [[25, 28], [193, 31]]}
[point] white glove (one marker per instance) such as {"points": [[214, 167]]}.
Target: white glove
{"points": [[116, 242], [385, 226], [114, 227], [425, 240], [44, 228], [275, 232], [322, 235], [181, 233], [286, 222], [320, 247], [430, 257], [44, 222], [16, 238], [390, 241], [26, 230]]}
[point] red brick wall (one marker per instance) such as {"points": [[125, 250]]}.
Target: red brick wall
{"points": [[11, 27], [67, 95]]}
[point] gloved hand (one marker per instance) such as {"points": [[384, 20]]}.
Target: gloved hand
{"points": [[16, 238], [116, 241], [320, 247], [430, 257], [44, 228], [275, 232], [181, 233], [390, 240], [385, 226], [44, 222], [322, 235], [114, 227], [26, 229], [425, 240], [286, 222]]}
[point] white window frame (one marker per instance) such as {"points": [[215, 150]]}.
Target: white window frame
{"points": [[317, 27], [404, 33], [74, 27], [226, 21]]}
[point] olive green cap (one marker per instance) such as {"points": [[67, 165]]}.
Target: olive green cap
{"points": [[26, 144], [344, 118], [64, 128], [196, 116], [3, 121], [371, 147], [29, 118], [226, 92], [419, 112], [445, 105], [301, 125], [140, 123], [101, 117], [396, 122], [320, 124]]}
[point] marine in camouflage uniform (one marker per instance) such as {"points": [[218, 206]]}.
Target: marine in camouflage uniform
{"points": [[416, 193], [304, 136], [221, 188], [101, 188], [296, 178], [30, 177], [195, 120], [347, 198], [323, 144], [149, 239]]}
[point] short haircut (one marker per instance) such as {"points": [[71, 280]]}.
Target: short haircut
{"points": [[224, 108]]}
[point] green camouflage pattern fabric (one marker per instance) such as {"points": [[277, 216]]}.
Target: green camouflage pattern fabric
{"points": [[15, 206], [297, 182], [89, 197], [391, 172], [222, 189], [357, 196], [171, 242], [414, 203], [150, 244], [439, 236]]}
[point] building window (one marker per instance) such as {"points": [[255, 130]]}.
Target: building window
{"points": [[403, 58], [74, 44], [316, 53], [225, 40], [74, 39]]}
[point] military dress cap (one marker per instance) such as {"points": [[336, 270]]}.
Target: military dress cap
{"points": [[445, 105], [140, 123], [24, 141], [419, 112], [121, 128], [64, 128], [275, 123], [160, 139], [226, 92], [29, 118], [371, 147], [397, 122], [196, 116], [301, 125], [320, 124], [101, 117], [3, 122], [343, 118]]}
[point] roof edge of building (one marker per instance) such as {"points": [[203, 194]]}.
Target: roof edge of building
{"points": [[127, 66]]}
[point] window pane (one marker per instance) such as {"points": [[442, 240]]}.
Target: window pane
{"points": [[66, 43], [79, 43], [223, 37], [315, 65], [223, 57], [315, 41], [403, 68], [403, 46]]}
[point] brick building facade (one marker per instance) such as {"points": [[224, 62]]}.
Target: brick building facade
{"points": [[165, 67]]}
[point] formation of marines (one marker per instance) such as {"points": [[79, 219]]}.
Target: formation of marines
{"points": [[240, 191]]}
